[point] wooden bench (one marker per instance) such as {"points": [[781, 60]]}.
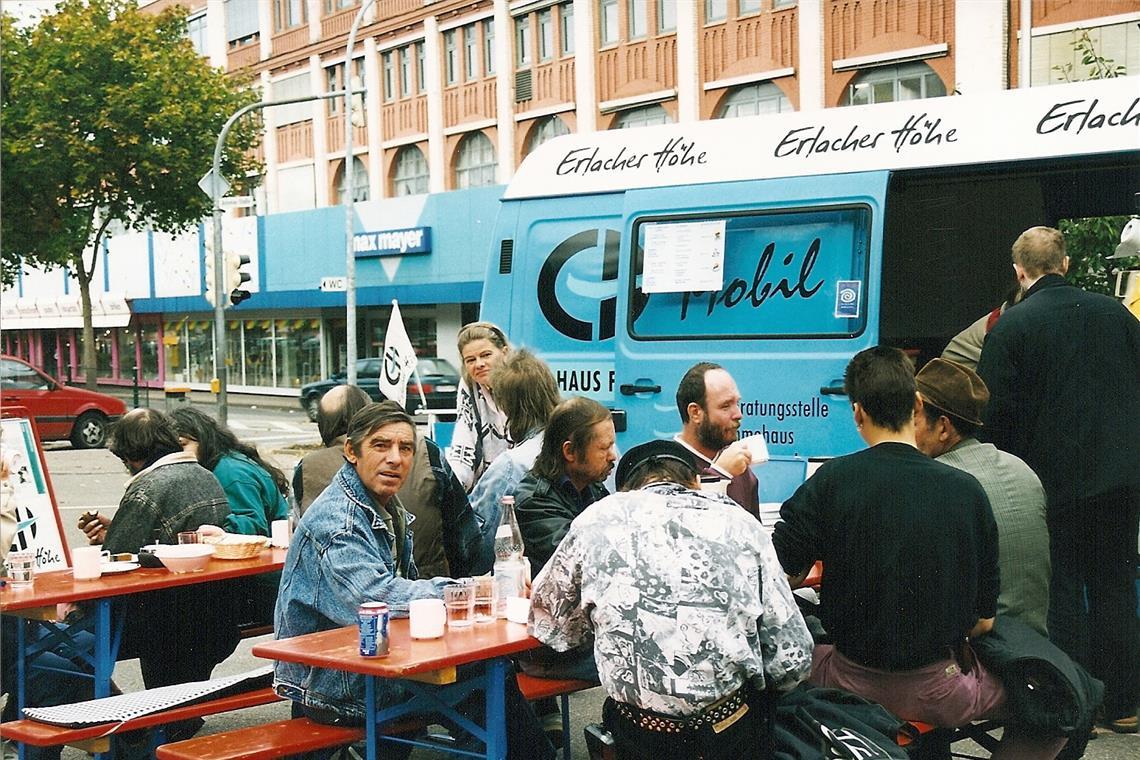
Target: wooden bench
{"points": [[291, 737], [97, 738]]}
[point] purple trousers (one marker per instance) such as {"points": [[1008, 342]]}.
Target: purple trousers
{"points": [[939, 694]]}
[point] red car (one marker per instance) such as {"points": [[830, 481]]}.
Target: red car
{"points": [[62, 413]]}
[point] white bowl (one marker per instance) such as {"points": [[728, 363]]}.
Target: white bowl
{"points": [[184, 558]]}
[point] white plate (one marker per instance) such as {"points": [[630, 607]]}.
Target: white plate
{"points": [[110, 568]]}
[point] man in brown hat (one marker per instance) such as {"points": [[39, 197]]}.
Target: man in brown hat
{"points": [[953, 398]]}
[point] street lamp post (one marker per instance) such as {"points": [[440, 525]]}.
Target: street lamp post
{"points": [[216, 192], [350, 192]]}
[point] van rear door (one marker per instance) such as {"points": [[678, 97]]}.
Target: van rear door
{"points": [[798, 297], [556, 292]]}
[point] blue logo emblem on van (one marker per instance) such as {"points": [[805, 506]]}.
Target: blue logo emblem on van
{"points": [[556, 312]]}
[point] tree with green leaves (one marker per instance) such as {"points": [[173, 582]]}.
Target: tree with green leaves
{"points": [[1090, 240], [109, 115]]}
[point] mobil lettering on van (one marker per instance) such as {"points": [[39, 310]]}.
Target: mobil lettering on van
{"points": [[780, 246]]}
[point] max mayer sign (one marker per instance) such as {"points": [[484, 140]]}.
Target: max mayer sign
{"points": [[392, 242]]}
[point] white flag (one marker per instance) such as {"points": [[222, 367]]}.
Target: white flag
{"points": [[399, 359]]}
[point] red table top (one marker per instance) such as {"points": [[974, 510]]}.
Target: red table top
{"points": [[339, 649], [57, 586]]}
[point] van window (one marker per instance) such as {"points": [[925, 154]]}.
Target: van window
{"points": [[783, 273]]}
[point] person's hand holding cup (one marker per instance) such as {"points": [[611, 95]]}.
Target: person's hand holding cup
{"points": [[735, 459]]}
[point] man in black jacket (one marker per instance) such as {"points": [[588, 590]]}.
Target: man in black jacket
{"points": [[1063, 369], [577, 455]]}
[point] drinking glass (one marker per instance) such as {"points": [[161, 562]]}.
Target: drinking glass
{"points": [[485, 599], [189, 537], [460, 603], [22, 568]]}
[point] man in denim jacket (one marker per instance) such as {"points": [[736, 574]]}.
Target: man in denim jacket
{"points": [[354, 545]]}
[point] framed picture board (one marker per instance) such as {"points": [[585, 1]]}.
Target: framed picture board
{"points": [[38, 525]]}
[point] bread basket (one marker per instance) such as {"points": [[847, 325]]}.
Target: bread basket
{"points": [[236, 545]]}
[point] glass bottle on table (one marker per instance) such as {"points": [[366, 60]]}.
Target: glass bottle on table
{"points": [[510, 564]]}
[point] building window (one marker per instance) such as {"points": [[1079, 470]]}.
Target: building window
{"points": [[566, 23], [748, 7], [288, 14], [646, 116], [489, 46], [545, 129], [296, 86], [297, 352], [907, 81], [405, 54], [359, 181], [388, 67], [470, 52], [241, 22], [666, 16], [1056, 60], [332, 6], [419, 67], [449, 62], [196, 31], [522, 41], [608, 21], [716, 10], [334, 76], [637, 19], [754, 100], [411, 174], [475, 163], [545, 35], [783, 3]]}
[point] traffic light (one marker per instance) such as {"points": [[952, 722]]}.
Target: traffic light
{"points": [[210, 294], [236, 278], [356, 107]]}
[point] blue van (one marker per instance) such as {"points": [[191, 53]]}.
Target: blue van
{"points": [[779, 246]]}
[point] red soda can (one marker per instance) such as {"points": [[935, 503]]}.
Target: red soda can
{"points": [[372, 617]]}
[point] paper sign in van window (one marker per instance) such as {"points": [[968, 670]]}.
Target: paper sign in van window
{"points": [[683, 256]]}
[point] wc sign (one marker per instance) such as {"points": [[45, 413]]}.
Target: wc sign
{"points": [[392, 242]]}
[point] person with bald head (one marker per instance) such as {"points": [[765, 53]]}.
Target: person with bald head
{"points": [[709, 404], [316, 470]]}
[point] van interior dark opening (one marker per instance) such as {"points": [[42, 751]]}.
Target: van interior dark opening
{"points": [[948, 232]]}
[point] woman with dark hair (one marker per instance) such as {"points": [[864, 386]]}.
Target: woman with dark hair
{"points": [[255, 488]]}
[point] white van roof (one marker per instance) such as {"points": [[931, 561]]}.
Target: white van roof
{"points": [[1097, 116]]}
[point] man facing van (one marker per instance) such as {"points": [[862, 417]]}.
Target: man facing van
{"points": [[709, 404]]}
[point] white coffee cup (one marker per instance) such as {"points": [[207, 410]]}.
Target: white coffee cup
{"points": [[280, 534], [426, 618], [87, 562], [518, 609], [756, 446]]}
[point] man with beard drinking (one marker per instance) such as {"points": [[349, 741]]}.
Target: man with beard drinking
{"points": [[709, 403]]}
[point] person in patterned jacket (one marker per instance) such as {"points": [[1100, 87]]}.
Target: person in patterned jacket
{"points": [[691, 616]]}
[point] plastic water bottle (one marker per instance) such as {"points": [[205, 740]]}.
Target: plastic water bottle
{"points": [[510, 565]]}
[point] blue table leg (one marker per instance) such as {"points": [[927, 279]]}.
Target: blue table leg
{"points": [[104, 662], [21, 665], [496, 714], [371, 731]]}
